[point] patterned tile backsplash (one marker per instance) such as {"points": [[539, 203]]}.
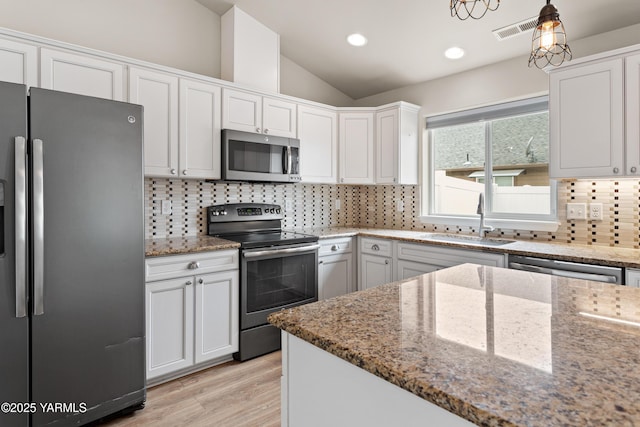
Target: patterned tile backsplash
{"points": [[313, 205]]}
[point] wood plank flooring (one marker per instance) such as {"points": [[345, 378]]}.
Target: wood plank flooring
{"points": [[232, 394]]}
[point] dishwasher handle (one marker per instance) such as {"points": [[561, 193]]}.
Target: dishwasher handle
{"points": [[564, 273]]}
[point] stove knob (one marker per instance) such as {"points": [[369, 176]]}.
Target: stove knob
{"points": [[223, 213], [278, 210], [215, 213]]}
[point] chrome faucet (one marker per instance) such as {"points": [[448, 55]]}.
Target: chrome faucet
{"points": [[482, 229]]}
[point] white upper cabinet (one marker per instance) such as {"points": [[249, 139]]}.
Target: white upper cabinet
{"points": [[397, 145], [595, 118], [318, 134], [249, 112], [356, 148], [81, 74], [158, 93], [18, 63], [199, 130], [633, 114]]}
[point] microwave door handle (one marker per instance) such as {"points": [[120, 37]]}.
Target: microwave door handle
{"points": [[285, 160], [289, 166]]}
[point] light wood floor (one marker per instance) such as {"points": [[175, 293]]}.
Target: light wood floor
{"points": [[232, 394]]}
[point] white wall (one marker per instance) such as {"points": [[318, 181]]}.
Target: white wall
{"points": [[297, 81], [178, 33], [506, 80]]}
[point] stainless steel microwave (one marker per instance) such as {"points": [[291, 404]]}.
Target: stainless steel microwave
{"points": [[250, 156]]}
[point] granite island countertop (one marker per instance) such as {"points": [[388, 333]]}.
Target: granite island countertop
{"points": [[493, 346]]}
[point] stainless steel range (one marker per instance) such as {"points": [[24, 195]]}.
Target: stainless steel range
{"points": [[278, 269]]}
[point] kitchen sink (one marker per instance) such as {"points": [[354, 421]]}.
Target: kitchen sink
{"points": [[466, 239]]}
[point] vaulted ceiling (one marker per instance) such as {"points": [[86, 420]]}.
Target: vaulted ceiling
{"points": [[407, 38]]}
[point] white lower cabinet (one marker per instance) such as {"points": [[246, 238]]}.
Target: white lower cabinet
{"points": [[191, 318], [376, 262], [415, 259], [632, 278], [335, 272]]}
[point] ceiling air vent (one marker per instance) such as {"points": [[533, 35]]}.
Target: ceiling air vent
{"points": [[515, 29]]}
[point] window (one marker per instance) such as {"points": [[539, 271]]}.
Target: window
{"points": [[501, 151]]}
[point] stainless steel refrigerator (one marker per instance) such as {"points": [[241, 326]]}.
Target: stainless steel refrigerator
{"points": [[71, 258]]}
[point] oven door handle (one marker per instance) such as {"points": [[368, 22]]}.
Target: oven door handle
{"points": [[287, 251]]}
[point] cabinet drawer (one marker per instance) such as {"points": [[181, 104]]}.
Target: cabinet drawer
{"points": [[380, 247], [447, 257], [336, 246], [167, 267]]}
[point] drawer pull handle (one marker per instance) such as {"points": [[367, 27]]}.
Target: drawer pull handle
{"points": [[375, 248], [189, 283], [194, 265], [201, 281], [335, 248]]}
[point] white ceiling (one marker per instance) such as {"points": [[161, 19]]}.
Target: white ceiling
{"points": [[407, 38]]}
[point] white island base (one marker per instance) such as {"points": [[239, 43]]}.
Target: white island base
{"points": [[320, 389]]}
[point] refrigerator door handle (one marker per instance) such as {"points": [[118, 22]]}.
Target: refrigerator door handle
{"points": [[21, 225], [38, 227]]}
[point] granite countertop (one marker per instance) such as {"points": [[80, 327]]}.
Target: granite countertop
{"points": [[603, 255], [491, 345], [186, 245]]}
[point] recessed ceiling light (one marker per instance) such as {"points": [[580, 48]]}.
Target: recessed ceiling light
{"points": [[357, 39], [454, 52]]}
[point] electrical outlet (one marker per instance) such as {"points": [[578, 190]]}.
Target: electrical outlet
{"points": [[166, 207], [338, 204], [288, 205], [577, 211], [595, 211], [399, 205]]}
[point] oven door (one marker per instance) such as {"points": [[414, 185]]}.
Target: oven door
{"points": [[276, 278]]}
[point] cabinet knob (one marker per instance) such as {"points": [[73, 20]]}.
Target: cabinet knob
{"points": [[375, 248], [335, 248], [189, 283], [386, 261], [320, 262], [201, 281], [341, 179], [633, 169], [173, 171], [258, 130], [184, 172], [616, 170], [194, 265]]}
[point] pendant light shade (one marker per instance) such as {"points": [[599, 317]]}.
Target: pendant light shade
{"points": [[475, 9], [549, 43]]}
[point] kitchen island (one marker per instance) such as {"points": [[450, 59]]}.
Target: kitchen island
{"points": [[468, 344]]}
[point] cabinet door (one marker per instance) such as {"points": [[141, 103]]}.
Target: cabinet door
{"points": [[586, 110], [81, 74], [408, 269], [279, 118], [158, 93], [200, 154], [374, 271], [317, 130], [335, 275], [356, 148], [387, 134], [18, 63], [217, 315], [633, 115], [241, 111], [169, 312]]}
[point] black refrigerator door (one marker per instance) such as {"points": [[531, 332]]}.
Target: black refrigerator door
{"points": [[87, 254], [14, 330]]}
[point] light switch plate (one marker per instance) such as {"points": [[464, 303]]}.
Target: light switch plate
{"points": [[577, 211]]}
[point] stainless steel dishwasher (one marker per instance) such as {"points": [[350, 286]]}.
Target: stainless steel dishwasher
{"points": [[574, 270]]}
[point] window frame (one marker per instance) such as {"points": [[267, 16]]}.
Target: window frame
{"points": [[486, 114]]}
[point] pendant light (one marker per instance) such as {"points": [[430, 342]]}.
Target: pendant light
{"points": [[475, 9], [549, 43]]}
